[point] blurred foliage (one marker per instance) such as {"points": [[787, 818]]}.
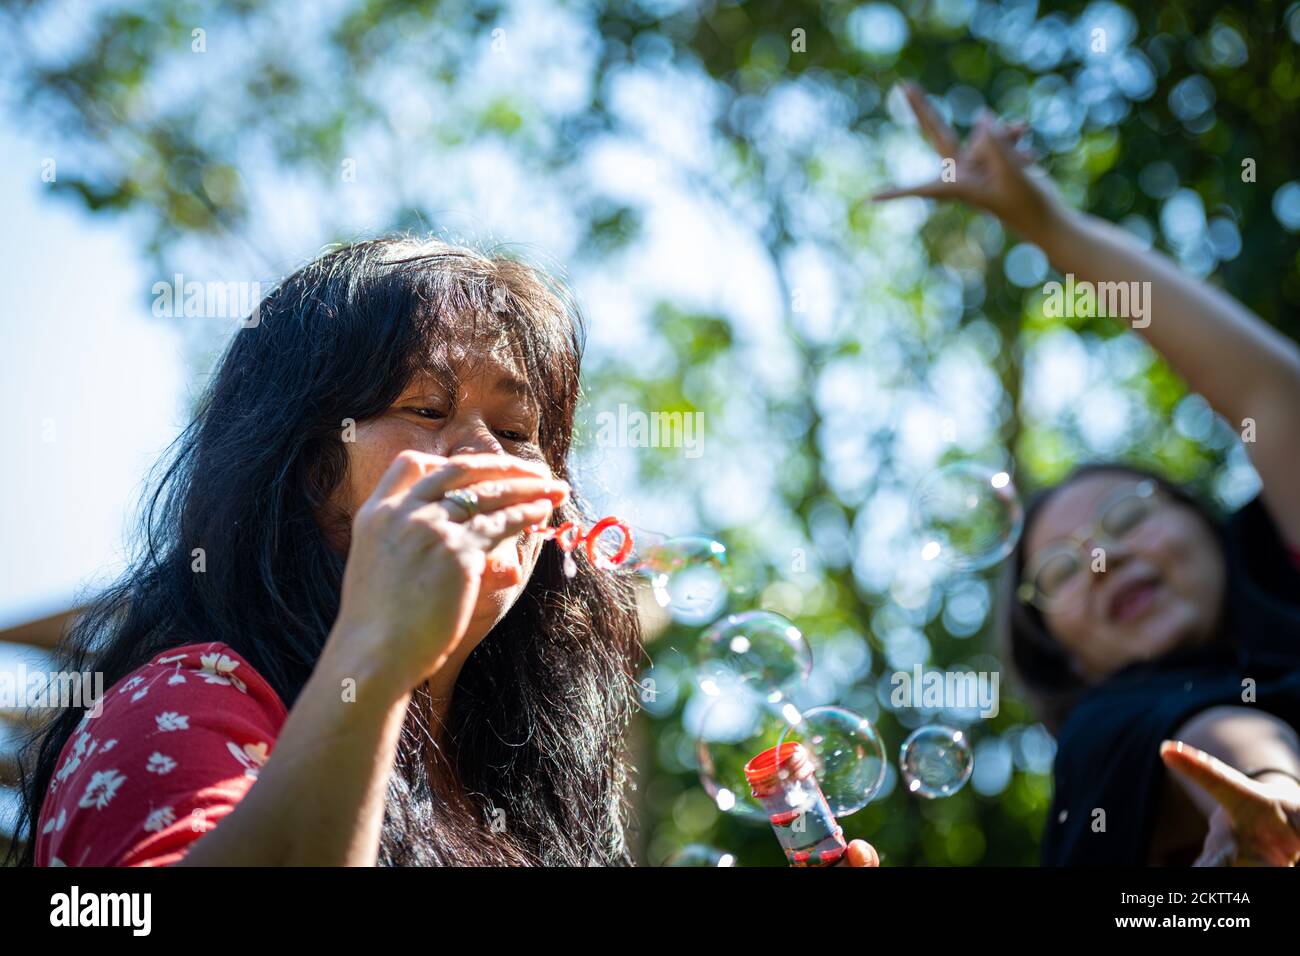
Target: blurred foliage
{"points": [[789, 103]]}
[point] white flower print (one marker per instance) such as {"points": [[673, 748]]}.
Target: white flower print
{"points": [[131, 684], [252, 756], [55, 823], [139, 694], [55, 861], [170, 720], [82, 748], [160, 763], [177, 677], [101, 789], [108, 745], [220, 669], [162, 817], [69, 767], [171, 660]]}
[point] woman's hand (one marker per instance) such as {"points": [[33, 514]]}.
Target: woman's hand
{"points": [[416, 559], [990, 172], [1254, 824], [861, 853]]}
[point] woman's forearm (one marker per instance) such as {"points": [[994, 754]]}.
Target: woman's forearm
{"points": [[1247, 370], [319, 799], [1236, 360]]}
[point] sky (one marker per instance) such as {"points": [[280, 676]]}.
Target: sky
{"points": [[94, 388], [93, 385]]}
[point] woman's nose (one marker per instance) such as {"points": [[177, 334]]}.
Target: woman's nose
{"points": [[1105, 556], [473, 438]]}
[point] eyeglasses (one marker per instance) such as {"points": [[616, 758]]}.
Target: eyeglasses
{"points": [[1059, 567]]}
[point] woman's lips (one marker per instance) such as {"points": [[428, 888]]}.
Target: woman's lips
{"points": [[1132, 600]]}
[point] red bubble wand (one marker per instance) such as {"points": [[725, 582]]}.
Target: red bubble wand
{"points": [[569, 536]]}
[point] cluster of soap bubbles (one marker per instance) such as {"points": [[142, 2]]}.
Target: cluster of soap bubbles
{"points": [[935, 761], [748, 664]]}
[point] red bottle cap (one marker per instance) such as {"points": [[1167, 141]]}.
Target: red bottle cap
{"points": [[770, 770]]}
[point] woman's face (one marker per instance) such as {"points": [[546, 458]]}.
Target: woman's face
{"points": [[493, 413], [1162, 585]]}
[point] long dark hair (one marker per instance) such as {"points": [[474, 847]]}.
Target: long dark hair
{"points": [[541, 706], [1042, 666]]}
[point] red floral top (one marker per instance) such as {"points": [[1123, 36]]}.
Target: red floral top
{"points": [[177, 744]]}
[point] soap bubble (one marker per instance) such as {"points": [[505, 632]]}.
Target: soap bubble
{"points": [[688, 576], [968, 516], [734, 730], [936, 761], [761, 649], [697, 854], [847, 753]]}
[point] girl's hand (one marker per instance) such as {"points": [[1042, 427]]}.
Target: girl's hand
{"points": [[861, 853], [1255, 823], [416, 558], [990, 172]]}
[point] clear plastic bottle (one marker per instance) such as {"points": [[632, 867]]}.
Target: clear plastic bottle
{"points": [[784, 781]]}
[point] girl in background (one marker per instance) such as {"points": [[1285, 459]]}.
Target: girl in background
{"points": [[1172, 680]]}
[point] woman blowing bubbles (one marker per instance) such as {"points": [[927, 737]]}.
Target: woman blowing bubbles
{"points": [[1193, 630], [340, 646]]}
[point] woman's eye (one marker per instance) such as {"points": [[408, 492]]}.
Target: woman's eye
{"points": [[430, 413], [1126, 516], [514, 436], [1056, 572]]}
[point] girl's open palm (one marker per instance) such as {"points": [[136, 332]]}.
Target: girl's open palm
{"points": [[988, 171], [1254, 824]]}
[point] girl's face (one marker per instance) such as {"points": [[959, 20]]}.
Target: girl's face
{"points": [[1147, 575], [493, 413]]}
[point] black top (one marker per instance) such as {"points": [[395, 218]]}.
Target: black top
{"points": [[1108, 751]]}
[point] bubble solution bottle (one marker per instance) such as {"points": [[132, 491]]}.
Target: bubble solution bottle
{"points": [[782, 779]]}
